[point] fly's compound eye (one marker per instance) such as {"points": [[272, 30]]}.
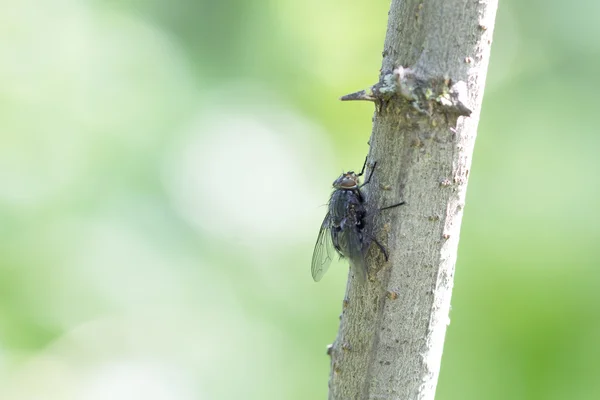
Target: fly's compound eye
{"points": [[349, 181]]}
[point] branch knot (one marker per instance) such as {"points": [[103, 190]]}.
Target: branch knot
{"points": [[424, 94]]}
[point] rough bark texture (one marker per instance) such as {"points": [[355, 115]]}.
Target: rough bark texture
{"points": [[391, 335]]}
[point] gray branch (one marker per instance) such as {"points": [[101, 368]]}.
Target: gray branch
{"points": [[428, 101]]}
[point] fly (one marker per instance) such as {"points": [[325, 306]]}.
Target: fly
{"points": [[343, 228]]}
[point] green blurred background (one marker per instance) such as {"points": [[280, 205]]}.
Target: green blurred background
{"points": [[163, 170]]}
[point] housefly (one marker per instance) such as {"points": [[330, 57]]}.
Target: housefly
{"points": [[343, 228]]}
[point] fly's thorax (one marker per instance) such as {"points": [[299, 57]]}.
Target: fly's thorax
{"points": [[346, 204]]}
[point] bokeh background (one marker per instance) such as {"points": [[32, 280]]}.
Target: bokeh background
{"points": [[163, 171]]}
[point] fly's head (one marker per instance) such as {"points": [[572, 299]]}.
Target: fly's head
{"points": [[348, 181]]}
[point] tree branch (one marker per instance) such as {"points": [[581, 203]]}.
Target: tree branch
{"points": [[428, 100]]}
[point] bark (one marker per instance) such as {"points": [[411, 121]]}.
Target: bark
{"points": [[428, 101]]}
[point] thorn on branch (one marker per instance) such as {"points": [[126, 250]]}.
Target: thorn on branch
{"points": [[423, 94], [365, 95]]}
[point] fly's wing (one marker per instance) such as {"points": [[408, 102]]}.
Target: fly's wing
{"points": [[355, 253], [324, 252]]}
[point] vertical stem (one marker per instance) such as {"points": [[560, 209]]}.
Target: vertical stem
{"points": [[391, 335]]}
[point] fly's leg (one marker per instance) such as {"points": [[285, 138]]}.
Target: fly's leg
{"points": [[383, 250], [392, 206], [363, 168], [370, 175], [389, 207]]}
